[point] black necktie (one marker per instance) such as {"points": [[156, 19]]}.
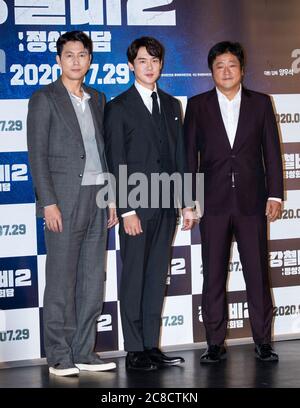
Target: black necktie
{"points": [[155, 108]]}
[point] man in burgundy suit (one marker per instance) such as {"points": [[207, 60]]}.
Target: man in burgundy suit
{"points": [[235, 131]]}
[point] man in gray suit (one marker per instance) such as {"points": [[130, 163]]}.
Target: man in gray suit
{"points": [[67, 160]]}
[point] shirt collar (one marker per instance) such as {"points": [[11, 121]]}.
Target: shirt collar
{"points": [[236, 98], [143, 91], [84, 98]]}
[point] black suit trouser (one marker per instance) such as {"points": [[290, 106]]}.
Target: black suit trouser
{"points": [[145, 258]]}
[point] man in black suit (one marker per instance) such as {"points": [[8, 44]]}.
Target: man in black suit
{"points": [[143, 131], [235, 131]]}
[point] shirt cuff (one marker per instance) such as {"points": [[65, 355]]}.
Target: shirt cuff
{"points": [[128, 213], [279, 200]]}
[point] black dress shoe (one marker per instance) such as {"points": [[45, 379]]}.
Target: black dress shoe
{"points": [[213, 354], [264, 352], [161, 359], [139, 361]]}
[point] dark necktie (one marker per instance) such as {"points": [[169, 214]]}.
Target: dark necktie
{"points": [[155, 108]]}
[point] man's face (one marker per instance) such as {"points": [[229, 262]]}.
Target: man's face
{"points": [[75, 60], [146, 68], [227, 72]]}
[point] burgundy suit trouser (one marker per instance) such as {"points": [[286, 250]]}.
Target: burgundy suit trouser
{"points": [[250, 232]]}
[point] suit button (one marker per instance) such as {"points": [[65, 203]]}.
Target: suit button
{"points": [[158, 161], [80, 175], [82, 156], [160, 141], [233, 156]]}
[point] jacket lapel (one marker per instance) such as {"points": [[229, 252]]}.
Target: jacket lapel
{"points": [[136, 104], [243, 119], [65, 106], [216, 118], [170, 121], [97, 115]]}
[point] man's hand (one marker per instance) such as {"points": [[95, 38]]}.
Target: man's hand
{"points": [[273, 210], [113, 219], [132, 225], [189, 219], [53, 218]]}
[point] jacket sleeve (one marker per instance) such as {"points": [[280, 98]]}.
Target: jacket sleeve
{"points": [[38, 133], [114, 133], [272, 153], [181, 164], [191, 144]]}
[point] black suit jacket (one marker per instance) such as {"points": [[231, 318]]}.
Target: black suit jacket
{"points": [[255, 158], [130, 139]]}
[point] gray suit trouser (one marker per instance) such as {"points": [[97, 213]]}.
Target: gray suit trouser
{"points": [[74, 282]]}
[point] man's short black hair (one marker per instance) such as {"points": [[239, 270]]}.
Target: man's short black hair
{"points": [[74, 36], [153, 47], [223, 47]]}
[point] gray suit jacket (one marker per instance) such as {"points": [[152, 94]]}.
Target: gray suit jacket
{"points": [[55, 145]]}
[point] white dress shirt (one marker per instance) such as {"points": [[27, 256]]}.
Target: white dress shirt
{"points": [[81, 101], [230, 111], [145, 94]]}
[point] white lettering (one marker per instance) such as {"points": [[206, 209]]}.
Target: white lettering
{"points": [[137, 13], [178, 266], [45, 12], [296, 64], [3, 12]]}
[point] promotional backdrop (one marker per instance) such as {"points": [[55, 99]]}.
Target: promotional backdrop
{"points": [[269, 31]]}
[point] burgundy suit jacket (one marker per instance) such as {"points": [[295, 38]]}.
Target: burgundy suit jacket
{"points": [[255, 158]]}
